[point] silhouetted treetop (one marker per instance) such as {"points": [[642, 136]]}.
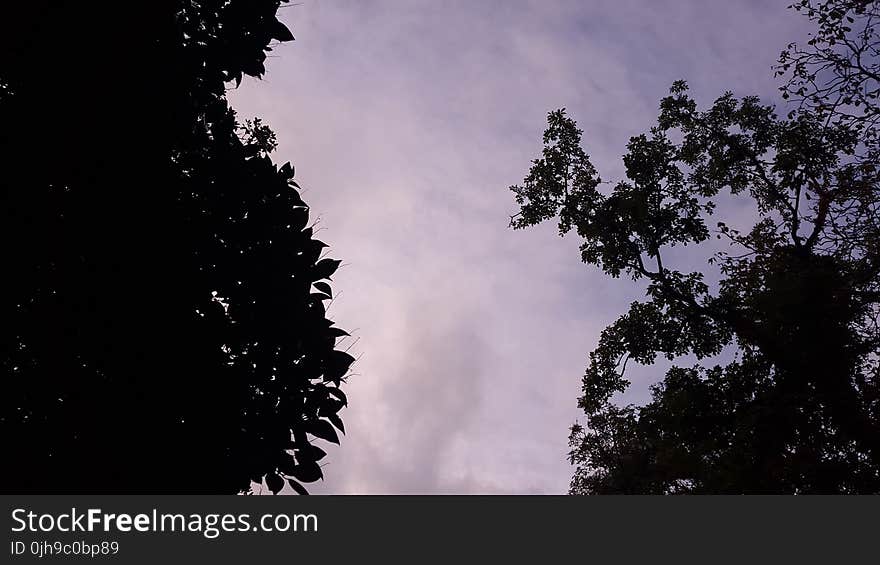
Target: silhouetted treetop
{"points": [[165, 328], [836, 73], [798, 407]]}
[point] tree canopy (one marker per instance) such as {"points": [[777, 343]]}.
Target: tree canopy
{"points": [[785, 396], [163, 324]]}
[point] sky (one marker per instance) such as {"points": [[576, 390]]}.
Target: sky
{"points": [[407, 121]]}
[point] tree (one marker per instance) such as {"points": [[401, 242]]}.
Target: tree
{"points": [[164, 329], [796, 406], [836, 75]]}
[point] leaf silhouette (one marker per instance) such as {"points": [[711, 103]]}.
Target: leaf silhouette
{"points": [[274, 482], [322, 429], [298, 488]]}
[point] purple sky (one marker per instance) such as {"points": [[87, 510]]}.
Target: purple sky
{"points": [[407, 121]]}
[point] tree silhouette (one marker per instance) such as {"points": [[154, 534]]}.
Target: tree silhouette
{"points": [[163, 326], [836, 74], [796, 408]]}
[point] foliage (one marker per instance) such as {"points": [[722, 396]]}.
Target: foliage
{"points": [[836, 75], [164, 329], [797, 408]]}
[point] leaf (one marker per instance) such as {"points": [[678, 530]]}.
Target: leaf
{"points": [[336, 421], [324, 268], [281, 31], [338, 363], [299, 217], [325, 288], [295, 199], [297, 487], [308, 472], [331, 406], [322, 429], [311, 453], [338, 394], [337, 332], [254, 68], [274, 482]]}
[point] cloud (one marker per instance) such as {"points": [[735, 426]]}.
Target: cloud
{"points": [[406, 122]]}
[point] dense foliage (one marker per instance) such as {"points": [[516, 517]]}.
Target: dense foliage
{"points": [[163, 322], [785, 397]]}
